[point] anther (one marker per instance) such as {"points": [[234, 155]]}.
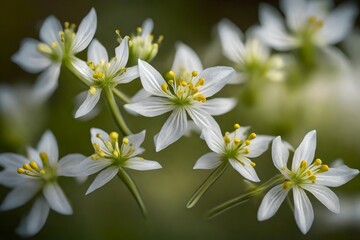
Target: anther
{"points": [[253, 164], [247, 142], [236, 126], [237, 141], [287, 184], [138, 29], [44, 158], [21, 171], [312, 179], [125, 141], [200, 82], [194, 73], [226, 139], [318, 162], [116, 154], [114, 135], [34, 166], [183, 83], [92, 90], [26, 166], [303, 164], [324, 168], [164, 87], [246, 151], [200, 97], [252, 136], [171, 82]]}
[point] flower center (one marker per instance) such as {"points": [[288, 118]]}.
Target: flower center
{"points": [[312, 26]]}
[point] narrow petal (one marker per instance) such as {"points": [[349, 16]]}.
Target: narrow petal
{"points": [[122, 54], [34, 155], [280, 154], [303, 210], [271, 17], [276, 38], [49, 31], [337, 176], [305, 151], [20, 195], [174, 127], [35, 220], [201, 118], [83, 69], [56, 199], [29, 58], [85, 31], [324, 195], [97, 52], [89, 103], [137, 139], [12, 161], [186, 59], [151, 79], [147, 27], [102, 178], [141, 164], [215, 79], [219, 106], [231, 43], [214, 139], [259, 145], [90, 166], [69, 165], [11, 179], [209, 160], [48, 144], [294, 12], [140, 95], [129, 75], [150, 107], [272, 202], [246, 170], [47, 82]]}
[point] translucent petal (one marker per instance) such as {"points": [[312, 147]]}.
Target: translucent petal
{"points": [[231, 42], [219, 106], [246, 170], [259, 145], [305, 151], [209, 160], [86, 31], [48, 144], [150, 107], [89, 103], [280, 154], [102, 178], [47, 82], [141, 164], [151, 79], [272, 202], [20, 195], [90, 166], [97, 52], [69, 165], [303, 210], [324, 195], [49, 31], [56, 199], [186, 59]]}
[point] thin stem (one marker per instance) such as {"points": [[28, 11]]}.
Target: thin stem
{"points": [[125, 177], [115, 112], [243, 198], [207, 184], [121, 95]]}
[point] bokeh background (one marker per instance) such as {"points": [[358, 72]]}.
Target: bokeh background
{"points": [[326, 101]]}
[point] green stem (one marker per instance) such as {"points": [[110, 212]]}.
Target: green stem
{"points": [[207, 184], [121, 95], [243, 198], [122, 174], [115, 112]]}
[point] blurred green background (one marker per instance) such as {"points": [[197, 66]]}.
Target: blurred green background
{"points": [[111, 212]]}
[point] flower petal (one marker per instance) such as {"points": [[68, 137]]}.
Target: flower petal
{"points": [[214, 139], [122, 54], [219, 106], [151, 79], [245, 169], [11, 179], [102, 178], [201, 118], [49, 31], [35, 220], [97, 52], [56, 199], [324, 195], [85, 31], [215, 79], [47, 82], [129, 75], [280, 154], [270, 17], [174, 127], [140, 164], [12, 161], [259, 145], [89, 103], [337, 176], [186, 59], [294, 12], [83, 69], [303, 210], [90, 166], [209, 160], [29, 58], [147, 27], [34, 155], [137, 139], [48, 144], [69, 165], [305, 151], [150, 107], [272, 202]]}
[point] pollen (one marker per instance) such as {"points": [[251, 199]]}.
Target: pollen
{"points": [[252, 136], [287, 184], [170, 75], [318, 162], [253, 164], [114, 135], [44, 158], [98, 75], [247, 142], [125, 141], [200, 97], [324, 168], [226, 139], [21, 171], [194, 73], [92, 90], [236, 126], [237, 141], [303, 164], [164, 87], [34, 166], [200, 82]]}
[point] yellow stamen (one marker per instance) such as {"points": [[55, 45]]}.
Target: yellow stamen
{"points": [[34, 166], [253, 164], [171, 82], [237, 141], [324, 168], [138, 29], [42, 171], [183, 83], [246, 151], [226, 139], [98, 75], [247, 142], [180, 92], [100, 153], [44, 158], [164, 87], [125, 141], [54, 45], [200, 82], [318, 162], [252, 136], [236, 126], [114, 135], [116, 154], [21, 171], [200, 97], [303, 164], [66, 24], [287, 184], [309, 172], [170, 75], [312, 179], [92, 90], [26, 166], [194, 73]]}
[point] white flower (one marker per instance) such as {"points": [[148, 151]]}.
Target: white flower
{"points": [[57, 45], [236, 148], [181, 97], [307, 23], [252, 58], [37, 174], [100, 72], [305, 174], [111, 155]]}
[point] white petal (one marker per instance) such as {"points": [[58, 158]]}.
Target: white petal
{"points": [[276, 38], [272, 202], [324, 195], [131, 74], [79, 99], [209, 160], [29, 58], [295, 12], [186, 59], [140, 95], [150, 107], [214, 139], [147, 27], [270, 17], [90, 166], [336, 177], [89, 103], [20, 195], [304, 213], [141, 164], [69, 165], [122, 54], [136, 139], [34, 155], [201, 118], [230, 37], [85, 31], [150, 78], [259, 145], [246, 170], [102, 178], [215, 79], [83, 69], [280, 154], [174, 127], [12, 161], [47, 82], [219, 106], [56, 199], [342, 19], [97, 52], [305, 151], [49, 31], [11, 179], [35, 220], [48, 144]]}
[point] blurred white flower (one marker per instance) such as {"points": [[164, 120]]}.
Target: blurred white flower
{"points": [[181, 97], [35, 174], [57, 45], [111, 155], [305, 174], [100, 72], [236, 148]]}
